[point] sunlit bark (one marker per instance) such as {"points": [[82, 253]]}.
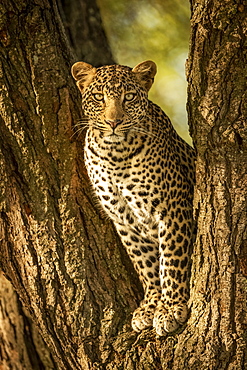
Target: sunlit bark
{"points": [[60, 253], [215, 337]]}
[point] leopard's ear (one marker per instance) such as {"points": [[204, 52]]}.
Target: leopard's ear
{"points": [[83, 73], [145, 72]]}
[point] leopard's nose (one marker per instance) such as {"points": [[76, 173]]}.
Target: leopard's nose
{"points": [[113, 123]]}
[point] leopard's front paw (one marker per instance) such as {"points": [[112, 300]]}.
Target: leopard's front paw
{"points": [[169, 318], [143, 317]]}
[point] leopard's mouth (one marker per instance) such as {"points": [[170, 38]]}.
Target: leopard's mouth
{"points": [[113, 135]]}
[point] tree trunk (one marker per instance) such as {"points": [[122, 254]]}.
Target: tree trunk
{"points": [[60, 254], [215, 337], [21, 346], [83, 26], [57, 249]]}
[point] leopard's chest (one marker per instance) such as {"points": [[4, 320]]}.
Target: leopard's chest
{"points": [[125, 186]]}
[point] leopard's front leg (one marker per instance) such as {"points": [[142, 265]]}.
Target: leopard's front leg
{"points": [[174, 239], [144, 254]]}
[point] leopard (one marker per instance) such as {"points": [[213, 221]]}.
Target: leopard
{"points": [[143, 174]]}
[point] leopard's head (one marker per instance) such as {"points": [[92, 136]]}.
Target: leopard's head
{"points": [[115, 97]]}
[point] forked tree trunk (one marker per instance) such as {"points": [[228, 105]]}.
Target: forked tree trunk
{"points": [[61, 254]]}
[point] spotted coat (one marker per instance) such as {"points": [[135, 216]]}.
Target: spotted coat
{"points": [[143, 175]]}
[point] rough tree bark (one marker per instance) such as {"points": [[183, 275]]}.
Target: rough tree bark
{"points": [[63, 257], [82, 23], [215, 337]]}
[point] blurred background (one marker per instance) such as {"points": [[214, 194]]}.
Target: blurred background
{"points": [[139, 30]]}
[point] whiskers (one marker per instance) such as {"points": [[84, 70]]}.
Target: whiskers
{"points": [[85, 123], [144, 129], [81, 125]]}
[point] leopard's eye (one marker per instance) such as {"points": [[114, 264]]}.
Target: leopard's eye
{"points": [[98, 96], [129, 96]]}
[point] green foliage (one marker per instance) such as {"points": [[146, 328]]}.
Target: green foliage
{"points": [[156, 30]]}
